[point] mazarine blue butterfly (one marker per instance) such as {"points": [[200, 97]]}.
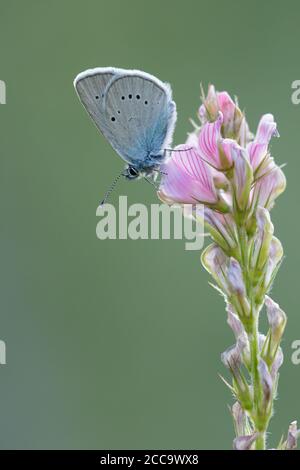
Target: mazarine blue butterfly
{"points": [[134, 111]]}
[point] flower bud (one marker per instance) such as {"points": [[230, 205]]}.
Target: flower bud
{"points": [[270, 270], [242, 176], [245, 442], [275, 257], [216, 102], [221, 229], [232, 359], [234, 322], [239, 419], [237, 290], [240, 335], [267, 387], [268, 187], [214, 261], [258, 148], [228, 275], [235, 278], [245, 136], [209, 110], [277, 363], [293, 435], [277, 322], [264, 235]]}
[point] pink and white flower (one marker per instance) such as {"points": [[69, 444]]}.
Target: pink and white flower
{"points": [[258, 149], [188, 179]]}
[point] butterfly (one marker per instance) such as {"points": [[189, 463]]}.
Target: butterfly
{"points": [[134, 111]]}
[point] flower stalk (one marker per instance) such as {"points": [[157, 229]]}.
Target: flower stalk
{"points": [[233, 174]]}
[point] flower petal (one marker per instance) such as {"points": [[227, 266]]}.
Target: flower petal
{"points": [[209, 142], [235, 278], [268, 188], [221, 228], [226, 106], [242, 176], [215, 262], [188, 179], [257, 149]]}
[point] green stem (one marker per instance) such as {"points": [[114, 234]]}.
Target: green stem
{"points": [[260, 422], [254, 347], [260, 443]]}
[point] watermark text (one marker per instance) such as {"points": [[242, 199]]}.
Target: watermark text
{"points": [[2, 353], [160, 221], [2, 92], [296, 354]]}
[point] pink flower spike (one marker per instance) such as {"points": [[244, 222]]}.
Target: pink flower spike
{"points": [[258, 149], [188, 179]]}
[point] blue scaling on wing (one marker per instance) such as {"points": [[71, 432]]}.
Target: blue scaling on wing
{"points": [[142, 114]]}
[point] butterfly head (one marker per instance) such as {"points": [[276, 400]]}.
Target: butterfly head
{"points": [[131, 173]]}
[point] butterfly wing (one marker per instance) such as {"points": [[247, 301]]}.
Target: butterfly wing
{"points": [[90, 86], [142, 113], [135, 113]]}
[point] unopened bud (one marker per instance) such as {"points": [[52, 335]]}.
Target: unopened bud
{"points": [[267, 387], [235, 278], [293, 435], [239, 419], [264, 236], [277, 320], [244, 442], [242, 176], [214, 261]]}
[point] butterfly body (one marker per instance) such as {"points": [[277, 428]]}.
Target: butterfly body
{"points": [[135, 113]]}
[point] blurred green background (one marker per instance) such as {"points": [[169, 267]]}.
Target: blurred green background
{"points": [[116, 344]]}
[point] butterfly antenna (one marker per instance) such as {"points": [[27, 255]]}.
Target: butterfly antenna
{"points": [[178, 150], [160, 172], [111, 188], [151, 182]]}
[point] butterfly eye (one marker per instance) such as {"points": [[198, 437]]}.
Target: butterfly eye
{"points": [[130, 96], [113, 119], [146, 102], [138, 97], [97, 97], [123, 98], [132, 172]]}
